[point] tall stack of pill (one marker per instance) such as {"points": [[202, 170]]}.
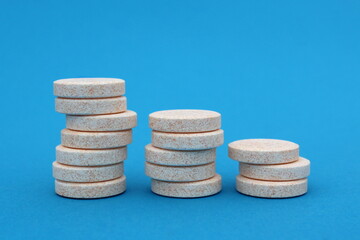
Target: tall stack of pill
{"points": [[89, 161], [181, 158], [270, 168]]}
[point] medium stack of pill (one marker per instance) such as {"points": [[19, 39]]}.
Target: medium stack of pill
{"points": [[181, 158], [270, 168], [89, 161]]}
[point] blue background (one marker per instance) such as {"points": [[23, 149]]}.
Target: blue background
{"points": [[273, 69]]}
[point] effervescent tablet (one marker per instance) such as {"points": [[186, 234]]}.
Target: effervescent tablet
{"points": [[196, 189], [91, 190]]}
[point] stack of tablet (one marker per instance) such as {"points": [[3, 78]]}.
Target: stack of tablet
{"points": [[89, 161], [181, 158], [270, 168]]}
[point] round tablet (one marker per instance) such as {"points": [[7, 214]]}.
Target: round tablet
{"points": [[278, 172], [91, 190], [87, 174], [268, 189], [95, 140], [90, 157], [179, 174], [179, 158], [196, 189], [108, 122], [185, 121], [188, 141], [264, 151], [92, 106], [89, 87]]}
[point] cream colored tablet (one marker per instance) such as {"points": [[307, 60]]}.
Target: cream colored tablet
{"points": [[187, 189], [278, 172], [188, 141], [263, 151], [91, 190], [268, 189], [185, 121], [180, 174], [108, 122], [89, 87], [90, 157], [87, 174], [92, 106], [179, 158], [95, 140]]}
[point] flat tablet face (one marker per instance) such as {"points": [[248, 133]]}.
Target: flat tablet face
{"points": [[263, 145], [185, 120]]}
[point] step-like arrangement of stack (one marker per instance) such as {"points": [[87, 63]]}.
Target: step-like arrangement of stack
{"points": [[89, 161], [181, 158], [270, 168]]}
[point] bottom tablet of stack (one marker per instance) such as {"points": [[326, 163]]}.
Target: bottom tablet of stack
{"points": [[270, 168], [89, 173]]}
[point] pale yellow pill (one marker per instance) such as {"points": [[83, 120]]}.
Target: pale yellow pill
{"points": [[90, 157], [89, 87], [263, 151], [108, 122], [180, 173], [278, 172], [91, 190], [269, 189], [179, 158], [188, 141], [196, 189], [95, 140], [92, 106], [185, 120], [69, 173]]}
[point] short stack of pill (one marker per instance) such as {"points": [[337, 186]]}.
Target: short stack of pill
{"points": [[89, 161], [270, 168], [181, 158]]}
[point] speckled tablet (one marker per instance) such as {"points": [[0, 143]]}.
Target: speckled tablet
{"points": [[188, 141], [278, 172], [95, 140], [196, 189], [263, 151], [90, 157], [91, 190], [185, 120], [179, 158], [108, 122], [180, 174], [89, 87], [69, 173], [269, 189], [92, 106]]}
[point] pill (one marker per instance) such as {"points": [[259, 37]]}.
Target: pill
{"points": [[278, 172], [263, 151], [185, 121], [271, 189], [95, 140], [90, 157], [89, 87], [179, 158], [91, 190], [188, 141], [87, 174], [108, 122], [92, 106], [180, 173], [187, 189]]}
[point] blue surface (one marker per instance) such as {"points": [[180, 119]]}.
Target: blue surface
{"points": [[274, 69]]}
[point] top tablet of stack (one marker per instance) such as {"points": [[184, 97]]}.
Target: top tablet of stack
{"points": [[270, 168], [89, 161], [181, 158]]}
